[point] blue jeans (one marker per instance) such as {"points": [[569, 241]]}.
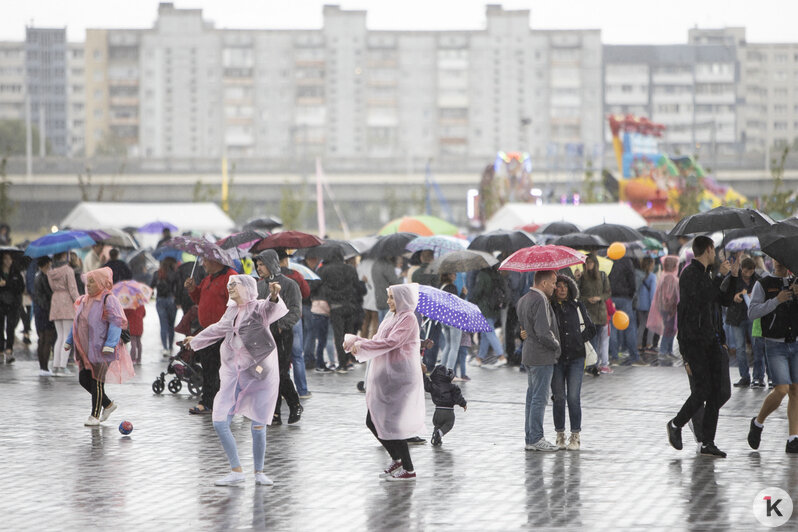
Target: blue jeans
{"points": [[462, 355], [490, 338], [740, 333], [452, 348], [600, 343], [538, 386], [229, 443], [167, 312], [666, 345], [783, 362], [627, 337], [316, 340], [566, 383], [298, 361], [760, 360]]}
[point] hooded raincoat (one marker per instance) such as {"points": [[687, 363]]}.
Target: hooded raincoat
{"points": [[394, 383], [249, 378], [662, 315], [65, 292], [98, 323]]}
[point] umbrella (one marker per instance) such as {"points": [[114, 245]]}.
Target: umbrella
{"points": [[780, 241], [538, 258], [529, 228], [156, 227], [558, 228], [307, 273], [17, 255], [191, 269], [462, 261], [422, 224], [451, 310], [248, 236], [132, 294], [581, 241], [502, 240], [266, 223], [648, 247], [615, 233], [97, 234], [439, 244], [720, 219], [331, 248], [744, 243], [115, 238], [162, 252], [391, 245], [653, 233], [287, 240], [200, 247], [364, 244], [142, 263], [57, 243]]}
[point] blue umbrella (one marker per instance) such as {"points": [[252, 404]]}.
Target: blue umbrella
{"points": [[156, 227], [307, 273], [451, 310], [57, 243], [162, 252]]}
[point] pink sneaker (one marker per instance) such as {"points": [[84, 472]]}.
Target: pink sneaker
{"points": [[605, 369], [394, 466], [401, 474]]}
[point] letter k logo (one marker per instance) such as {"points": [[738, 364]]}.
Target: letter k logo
{"points": [[772, 506]]}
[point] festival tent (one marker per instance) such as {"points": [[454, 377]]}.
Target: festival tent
{"points": [[201, 217], [513, 215]]}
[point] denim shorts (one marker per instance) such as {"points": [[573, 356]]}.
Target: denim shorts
{"points": [[782, 361]]}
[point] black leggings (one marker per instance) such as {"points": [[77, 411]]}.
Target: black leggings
{"points": [[443, 419], [398, 449], [9, 319], [97, 390], [284, 341], [45, 345]]}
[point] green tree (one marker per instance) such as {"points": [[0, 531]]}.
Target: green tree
{"points": [[111, 145], [7, 207], [12, 138], [290, 207], [780, 203]]}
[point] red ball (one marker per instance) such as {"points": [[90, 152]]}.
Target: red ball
{"points": [[126, 427]]}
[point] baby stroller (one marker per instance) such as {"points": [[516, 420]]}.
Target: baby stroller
{"points": [[182, 365]]}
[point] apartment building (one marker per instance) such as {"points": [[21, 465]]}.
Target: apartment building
{"points": [[76, 99], [46, 81], [12, 81]]}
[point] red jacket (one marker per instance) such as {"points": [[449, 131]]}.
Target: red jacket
{"points": [[211, 296], [135, 320], [304, 289]]}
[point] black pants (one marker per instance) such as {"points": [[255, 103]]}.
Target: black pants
{"points": [[431, 354], [512, 331], [398, 449], [24, 315], [343, 321], [9, 318], [707, 390], [443, 419], [211, 362], [285, 341], [96, 388], [45, 346]]}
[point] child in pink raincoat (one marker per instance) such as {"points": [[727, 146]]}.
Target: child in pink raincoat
{"points": [[662, 316], [249, 377], [100, 353], [394, 383]]}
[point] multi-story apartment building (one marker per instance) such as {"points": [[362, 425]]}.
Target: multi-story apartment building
{"points": [[76, 99], [12, 81], [46, 81]]}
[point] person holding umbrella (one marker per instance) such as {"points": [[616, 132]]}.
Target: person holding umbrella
{"points": [[11, 287]]}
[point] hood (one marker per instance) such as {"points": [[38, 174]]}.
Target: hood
{"points": [[247, 288], [573, 289], [270, 259], [405, 296], [441, 375], [57, 276], [103, 277]]}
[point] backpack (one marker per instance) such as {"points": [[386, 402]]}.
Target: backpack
{"points": [[498, 294]]}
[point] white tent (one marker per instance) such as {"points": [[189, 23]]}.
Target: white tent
{"points": [[513, 215], [203, 217]]}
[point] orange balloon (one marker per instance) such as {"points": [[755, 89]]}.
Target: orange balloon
{"points": [[620, 320], [616, 251]]}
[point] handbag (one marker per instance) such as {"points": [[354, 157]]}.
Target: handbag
{"points": [[591, 357]]}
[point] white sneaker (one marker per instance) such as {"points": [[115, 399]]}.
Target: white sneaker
{"points": [[543, 446], [45, 373], [262, 480], [233, 478], [166, 353], [91, 422], [62, 372], [560, 441], [108, 411], [573, 442], [501, 362]]}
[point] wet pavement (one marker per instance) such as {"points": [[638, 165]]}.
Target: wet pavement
{"points": [[60, 475]]}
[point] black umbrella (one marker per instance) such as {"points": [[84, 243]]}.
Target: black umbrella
{"points": [[244, 237], [653, 233], [501, 240], [391, 245], [17, 256], [733, 234], [615, 233], [581, 241], [720, 219], [266, 223], [558, 228], [780, 241], [332, 247]]}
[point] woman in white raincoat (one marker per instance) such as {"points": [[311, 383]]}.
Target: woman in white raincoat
{"points": [[394, 383], [249, 377]]}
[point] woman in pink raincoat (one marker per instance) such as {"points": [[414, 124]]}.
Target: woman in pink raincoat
{"points": [[394, 382], [662, 316], [249, 377], [100, 353]]}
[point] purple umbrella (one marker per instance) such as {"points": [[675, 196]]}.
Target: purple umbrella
{"points": [[199, 247], [156, 227], [451, 310]]}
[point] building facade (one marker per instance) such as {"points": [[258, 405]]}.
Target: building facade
{"points": [[46, 82]]}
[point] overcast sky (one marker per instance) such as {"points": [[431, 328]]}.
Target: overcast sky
{"points": [[621, 21]]}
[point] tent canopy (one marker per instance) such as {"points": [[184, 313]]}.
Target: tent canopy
{"points": [[203, 217], [513, 215]]}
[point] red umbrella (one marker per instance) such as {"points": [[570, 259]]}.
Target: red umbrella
{"points": [[537, 258], [288, 240]]}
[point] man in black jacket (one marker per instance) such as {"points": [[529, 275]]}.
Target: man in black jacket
{"points": [[701, 340], [622, 287]]}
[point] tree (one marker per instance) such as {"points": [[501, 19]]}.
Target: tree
{"points": [[779, 204], [12, 138], [111, 145], [592, 190], [7, 207], [290, 207]]}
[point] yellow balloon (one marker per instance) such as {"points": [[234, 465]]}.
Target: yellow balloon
{"points": [[616, 251], [620, 320]]}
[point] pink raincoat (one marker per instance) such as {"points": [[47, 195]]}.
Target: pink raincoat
{"points": [[90, 329], [65, 292], [662, 315], [394, 383], [239, 391]]}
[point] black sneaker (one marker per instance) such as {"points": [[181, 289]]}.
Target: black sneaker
{"points": [[754, 434], [757, 383], [792, 446], [416, 440], [742, 383], [771, 385], [674, 436], [323, 369], [295, 414], [436, 438], [709, 449], [277, 420]]}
